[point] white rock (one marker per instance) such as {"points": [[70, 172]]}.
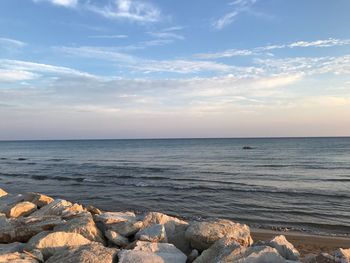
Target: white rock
{"points": [[284, 248], [203, 234], [115, 217], [147, 252], [50, 242], [265, 255], [153, 233], [116, 238]]}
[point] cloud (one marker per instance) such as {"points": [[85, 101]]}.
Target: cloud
{"points": [[64, 3], [10, 43], [132, 10], [330, 42], [16, 75], [239, 6], [109, 36]]}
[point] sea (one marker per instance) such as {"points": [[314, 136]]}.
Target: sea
{"points": [[293, 183]]}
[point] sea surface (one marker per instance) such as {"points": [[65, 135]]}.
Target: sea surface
{"points": [[300, 183]]}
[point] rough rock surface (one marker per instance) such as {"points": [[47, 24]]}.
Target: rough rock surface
{"points": [[91, 253], [2, 192], [83, 224], [12, 247], [23, 228], [116, 238], [126, 228], [39, 200], [147, 252], [284, 248], [153, 233], [17, 257], [21, 209], [203, 234], [57, 208], [50, 242]]}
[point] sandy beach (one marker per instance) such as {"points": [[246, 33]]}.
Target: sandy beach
{"points": [[305, 243]]}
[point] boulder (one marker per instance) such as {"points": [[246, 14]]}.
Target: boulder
{"points": [[17, 257], [147, 252], [153, 233], [203, 234], [126, 228], [83, 224], [175, 229], [51, 242], [93, 210], [326, 258], [39, 200], [264, 254], [11, 248], [115, 217], [343, 255], [116, 238], [90, 253], [192, 256], [284, 248], [7, 201], [21, 209], [219, 250], [23, 228], [59, 207], [2, 192]]}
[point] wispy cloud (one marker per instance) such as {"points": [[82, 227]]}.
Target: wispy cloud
{"points": [[132, 10], [109, 36], [11, 43], [64, 3], [238, 6], [331, 42]]}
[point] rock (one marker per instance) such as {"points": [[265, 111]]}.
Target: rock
{"points": [[203, 234], [247, 148], [116, 238], [35, 253], [343, 255], [284, 248], [175, 229], [126, 228], [147, 252], [154, 233], [192, 256], [17, 257], [59, 207], [11, 248], [219, 250], [7, 201], [262, 255], [83, 224], [115, 217], [90, 253], [38, 199], [309, 258], [326, 258], [2, 192], [93, 210], [21, 209], [23, 228], [51, 242]]}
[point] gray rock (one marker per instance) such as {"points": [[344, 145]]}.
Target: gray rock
{"points": [[116, 238], [284, 248], [11, 248], [126, 228], [90, 253], [153, 233], [203, 234], [192, 256], [39, 200]]}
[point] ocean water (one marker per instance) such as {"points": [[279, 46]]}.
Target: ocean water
{"points": [[301, 183]]}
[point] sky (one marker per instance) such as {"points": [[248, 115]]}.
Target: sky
{"points": [[88, 69]]}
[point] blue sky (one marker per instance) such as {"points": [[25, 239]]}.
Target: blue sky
{"points": [[147, 68]]}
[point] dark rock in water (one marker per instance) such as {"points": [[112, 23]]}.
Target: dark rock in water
{"points": [[21, 159], [247, 148]]}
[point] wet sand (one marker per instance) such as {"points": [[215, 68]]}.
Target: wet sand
{"points": [[305, 243]]}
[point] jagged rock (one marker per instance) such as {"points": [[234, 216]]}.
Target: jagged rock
{"points": [[175, 229], [11, 248], [39, 200], [90, 253], [343, 255], [83, 224], [153, 233], [17, 257], [326, 258], [23, 228], [51, 242], [21, 209], [192, 256], [59, 207], [147, 252], [2, 192], [35, 253], [93, 210], [7, 201], [126, 228], [260, 255], [116, 238], [115, 217], [203, 234], [219, 250], [284, 248]]}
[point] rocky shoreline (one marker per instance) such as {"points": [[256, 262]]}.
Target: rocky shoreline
{"points": [[36, 228]]}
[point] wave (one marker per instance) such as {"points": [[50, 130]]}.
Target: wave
{"points": [[302, 166]]}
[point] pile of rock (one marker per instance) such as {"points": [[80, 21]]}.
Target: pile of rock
{"points": [[36, 228]]}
